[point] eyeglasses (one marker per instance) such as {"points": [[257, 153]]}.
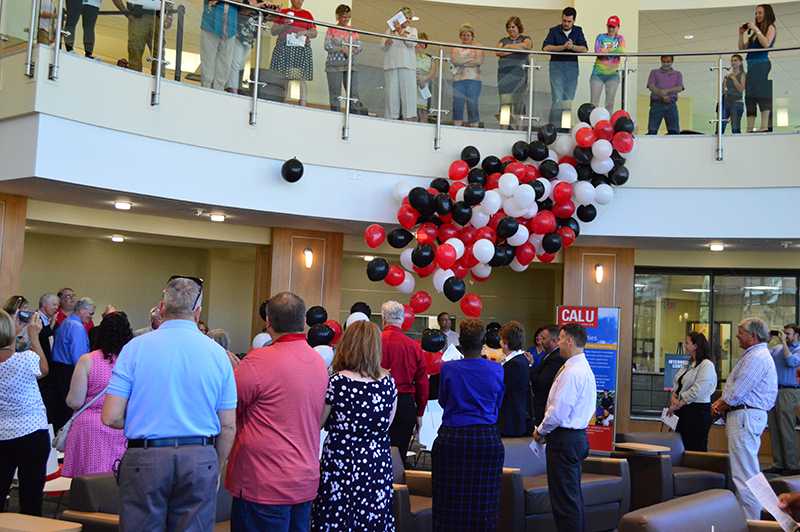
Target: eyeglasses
{"points": [[197, 280]]}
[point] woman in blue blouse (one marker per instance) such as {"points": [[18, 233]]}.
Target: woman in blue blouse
{"points": [[468, 453]]}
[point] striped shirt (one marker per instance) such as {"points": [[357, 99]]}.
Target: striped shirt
{"points": [[753, 382], [786, 366]]}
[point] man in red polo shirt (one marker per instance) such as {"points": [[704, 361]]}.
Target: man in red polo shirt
{"points": [[402, 356], [273, 469]]}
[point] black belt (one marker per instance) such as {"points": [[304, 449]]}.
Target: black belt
{"points": [[172, 442], [787, 387], [744, 407]]}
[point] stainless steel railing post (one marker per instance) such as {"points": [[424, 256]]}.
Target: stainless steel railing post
{"points": [[720, 69], [52, 71], [437, 139], [32, 31], [532, 67], [348, 99], [155, 96], [254, 80]]}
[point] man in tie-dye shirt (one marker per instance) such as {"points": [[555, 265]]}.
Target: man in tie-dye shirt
{"points": [[606, 68]]}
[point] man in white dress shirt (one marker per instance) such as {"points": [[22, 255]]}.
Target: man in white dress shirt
{"points": [[570, 406], [446, 326]]}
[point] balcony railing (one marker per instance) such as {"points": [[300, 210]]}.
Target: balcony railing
{"points": [[351, 71]]}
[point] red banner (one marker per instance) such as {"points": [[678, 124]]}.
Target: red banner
{"points": [[585, 316]]}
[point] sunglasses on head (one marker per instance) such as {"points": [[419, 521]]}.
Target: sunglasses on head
{"points": [[197, 280]]}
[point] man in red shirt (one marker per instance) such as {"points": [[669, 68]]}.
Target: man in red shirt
{"points": [[273, 469], [67, 300], [402, 356]]}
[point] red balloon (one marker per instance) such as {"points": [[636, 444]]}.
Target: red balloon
{"points": [[467, 235], [433, 192], [495, 219], [445, 256], [374, 235], [420, 301], [546, 257], [458, 170], [471, 305], [564, 210], [542, 223], [584, 137], [562, 192], [568, 159], [531, 174], [622, 142], [469, 260], [454, 188], [407, 216], [486, 232], [492, 181], [517, 168], [618, 114], [408, 320], [525, 253], [567, 236], [427, 270], [337, 330], [446, 232], [459, 270], [507, 159], [395, 276], [426, 233], [603, 130]]}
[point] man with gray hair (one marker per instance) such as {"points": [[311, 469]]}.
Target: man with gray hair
{"points": [[749, 394], [155, 322], [402, 356], [174, 394]]}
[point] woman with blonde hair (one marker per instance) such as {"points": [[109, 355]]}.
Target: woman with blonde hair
{"points": [[355, 489], [466, 77]]}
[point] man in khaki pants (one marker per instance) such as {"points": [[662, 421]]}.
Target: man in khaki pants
{"points": [[143, 21], [783, 417]]}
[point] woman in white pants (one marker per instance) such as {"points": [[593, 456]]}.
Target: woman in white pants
{"points": [[400, 71]]}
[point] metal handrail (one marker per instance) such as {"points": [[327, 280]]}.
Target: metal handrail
{"points": [[272, 13]]}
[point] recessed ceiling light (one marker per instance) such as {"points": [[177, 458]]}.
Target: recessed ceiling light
{"points": [[368, 258], [217, 217], [117, 238], [688, 37], [123, 205], [775, 288], [717, 246], [696, 290], [638, 285]]}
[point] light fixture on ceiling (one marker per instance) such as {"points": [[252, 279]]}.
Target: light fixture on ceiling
{"points": [[217, 217], [688, 37], [696, 290], [308, 256], [117, 238], [639, 285], [599, 273], [123, 205], [368, 258], [716, 246], [773, 288]]}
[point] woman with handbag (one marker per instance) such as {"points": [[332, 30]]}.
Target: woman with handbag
{"points": [[24, 439], [92, 447]]}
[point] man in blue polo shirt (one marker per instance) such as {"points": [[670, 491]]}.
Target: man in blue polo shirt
{"points": [[569, 38], [174, 393], [782, 418]]}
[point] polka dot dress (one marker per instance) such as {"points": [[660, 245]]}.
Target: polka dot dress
{"points": [[293, 62], [21, 407], [355, 491]]}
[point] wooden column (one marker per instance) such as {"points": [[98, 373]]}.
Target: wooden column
{"points": [[261, 287], [616, 290], [319, 284], [13, 210]]}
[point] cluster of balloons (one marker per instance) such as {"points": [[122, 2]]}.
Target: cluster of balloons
{"points": [[323, 333], [504, 212], [292, 170]]}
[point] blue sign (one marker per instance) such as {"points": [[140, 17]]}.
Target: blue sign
{"points": [[673, 363]]}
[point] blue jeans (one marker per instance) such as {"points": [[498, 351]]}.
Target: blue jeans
{"points": [[732, 112], [563, 82], [666, 111], [249, 516], [469, 90]]}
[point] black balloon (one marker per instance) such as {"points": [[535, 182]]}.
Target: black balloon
{"points": [[423, 255], [320, 334], [548, 169], [547, 134], [507, 227], [454, 289], [399, 238], [421, 200], [503, 255], [537, 150], [471, 155], [538, 188], [476, 176], [492, 338], [617, 158], [441, 184], [584, 111], [597, 180], [473, 194], [587, 213], [377, 269], [551, 242], [618, 175], [433, 340], [316, 314], [292, 170], [584, 172], [546, 205], [444, 204], [520, 150], [462, 213], [491, 165], [582, 155], [623, 123], [572, 223]]}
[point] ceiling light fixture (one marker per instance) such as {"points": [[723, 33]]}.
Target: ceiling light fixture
{"points": [[717, 246], [688, 37], [117, 238], [217, 217], [774, 288], [123, 205], [696, 290], [368, 258]]}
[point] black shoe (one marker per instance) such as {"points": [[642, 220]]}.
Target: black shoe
{"points": [[791, 472], [773, 471]]}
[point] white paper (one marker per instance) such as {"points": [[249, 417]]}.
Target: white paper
{"points": [[396, 20], [451, 353], [293, 39], [670, 420], [425, 92], [537, 448], [762, 491]]}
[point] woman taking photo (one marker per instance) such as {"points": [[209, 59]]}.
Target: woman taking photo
{"points": [[355, 489], [466, 78], [691, 394], [512, 78], [758, 90], [605, 74], [467, 455], [24, 439]]}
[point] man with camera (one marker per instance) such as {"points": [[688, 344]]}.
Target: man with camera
{"points": [[782, 418]]}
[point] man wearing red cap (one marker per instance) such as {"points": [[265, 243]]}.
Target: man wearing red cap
{"points": [[606, 68]]}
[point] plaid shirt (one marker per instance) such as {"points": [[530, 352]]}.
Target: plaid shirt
{"points": [[754, 381]]}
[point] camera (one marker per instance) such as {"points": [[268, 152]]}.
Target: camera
{"points": [[774, 333], [24, 315]]}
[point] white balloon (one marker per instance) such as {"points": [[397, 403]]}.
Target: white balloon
{"points": [[458, 245], [407, 286], [517, 267], [603, 194], [602, 149], [531, 211], [547, 187], [460, 194], [601, 166], [508, 184], [576, 127], [511, 208], [439, 277], [405, 259], [524, 196], [491, 203], [583, 192], [401, 190], [483, 250], [567, 172], [479, 219], [354, 317], [482, 270], [598, 114], [520, 237], [564, 145], [552, 155], [536, 240], [326, 352]]}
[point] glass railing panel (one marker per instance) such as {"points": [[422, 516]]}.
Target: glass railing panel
{"points": [[15, 22], [484, 90], [784, 71]]}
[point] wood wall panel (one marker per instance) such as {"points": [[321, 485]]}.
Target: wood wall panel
{"points": [[261, 287], [13, 211]]}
